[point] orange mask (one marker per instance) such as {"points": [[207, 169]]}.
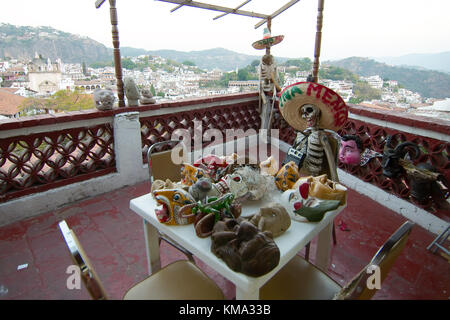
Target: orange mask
{"points": [[287, 176], [190, 174], [172, 200]]}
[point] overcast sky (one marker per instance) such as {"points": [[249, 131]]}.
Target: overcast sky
{"points": [[364, 28]]}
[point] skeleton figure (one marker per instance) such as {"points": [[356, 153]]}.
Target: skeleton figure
{"points": [[314, 141], [268, 87]]}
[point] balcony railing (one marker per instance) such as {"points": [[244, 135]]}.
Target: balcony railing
{"points": [[79, 154]]}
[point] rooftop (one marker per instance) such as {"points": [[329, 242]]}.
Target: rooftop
{"points": [[113, 237], [94, 164]]}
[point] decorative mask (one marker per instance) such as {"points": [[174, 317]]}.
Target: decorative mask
{"points": [[311, 114], [311, 198], [287, 176], [190, 174], [323, 188], [171, 202], [244, 248], [349, 153], [269, 166], [236, 184], [273, 218]]}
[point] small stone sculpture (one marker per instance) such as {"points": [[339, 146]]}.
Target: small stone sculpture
{"points": [[147, 97], [104, 99], [244, 248], [131, 92], [273, 218]]}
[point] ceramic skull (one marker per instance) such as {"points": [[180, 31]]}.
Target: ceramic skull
{"points": [[311, 114]]}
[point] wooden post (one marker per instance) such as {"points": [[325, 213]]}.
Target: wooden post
{"points": [[117, 57], [269, 27], [318, 41]]}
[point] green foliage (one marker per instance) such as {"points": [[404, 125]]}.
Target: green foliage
{"points": [[362, 90], [101, 64], [62, 100], [152, 90], [127, 63], [304, 64], [337, 73], [426, 82], [189, 63]]}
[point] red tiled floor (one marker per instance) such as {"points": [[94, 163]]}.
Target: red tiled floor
{"points": [[113, 237]]}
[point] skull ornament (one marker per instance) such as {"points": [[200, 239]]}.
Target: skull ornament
{"points": [[311, 114]]}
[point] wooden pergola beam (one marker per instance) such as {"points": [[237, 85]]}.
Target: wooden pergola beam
{"points": [[217, 8], [234, 10], [276, 13]]}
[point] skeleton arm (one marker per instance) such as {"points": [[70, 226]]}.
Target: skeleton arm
{"points": [[330, 157]]}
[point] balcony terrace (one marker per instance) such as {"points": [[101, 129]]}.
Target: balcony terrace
{"points": [[86, 166]]}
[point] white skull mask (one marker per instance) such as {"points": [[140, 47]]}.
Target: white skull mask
{"points": [[236, 185], [311, 114]]}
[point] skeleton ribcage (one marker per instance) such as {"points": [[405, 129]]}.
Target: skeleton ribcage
{"points": [[314, 154]]}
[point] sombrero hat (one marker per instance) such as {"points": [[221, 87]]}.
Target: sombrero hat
{"points": [[334, 110], [267, 41]]}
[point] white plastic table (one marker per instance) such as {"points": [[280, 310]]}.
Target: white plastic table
{"points": [[247, 288]]}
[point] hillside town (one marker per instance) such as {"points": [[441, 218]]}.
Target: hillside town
{"points": [[41, 77]]}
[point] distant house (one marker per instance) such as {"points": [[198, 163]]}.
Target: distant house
{"points": [[10, 102]]}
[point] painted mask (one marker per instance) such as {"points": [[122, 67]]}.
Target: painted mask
{"points": [[171, 201], [323, 188], [287, 176], [190, 174], [349, 153], [301, 206], [236, 184], [269, 166]]}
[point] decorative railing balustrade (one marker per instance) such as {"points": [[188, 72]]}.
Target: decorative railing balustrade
{"points": [[36, 156], [221, 113], [432, 136], [48, 151]]}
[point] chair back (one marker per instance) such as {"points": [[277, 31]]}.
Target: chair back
{"points": [[166, 164], [80, 259], [383, 260]]}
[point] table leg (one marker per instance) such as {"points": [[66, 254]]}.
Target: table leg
{"points": [[324, 248], [247, 295], [152, 247]]}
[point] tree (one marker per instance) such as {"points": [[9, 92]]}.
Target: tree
{"points": [[243, 75], [152, 90], [127, 63], [62, 100], [364, 91], [189, 63]]}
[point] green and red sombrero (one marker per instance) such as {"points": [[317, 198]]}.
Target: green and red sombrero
{"points": [[267, 41], [334, 110]]}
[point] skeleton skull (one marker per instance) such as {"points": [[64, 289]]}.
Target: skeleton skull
{"points": [[311, 114]]}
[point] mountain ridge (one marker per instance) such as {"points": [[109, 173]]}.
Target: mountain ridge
{"points": [[23, 42], [429, 83]]}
